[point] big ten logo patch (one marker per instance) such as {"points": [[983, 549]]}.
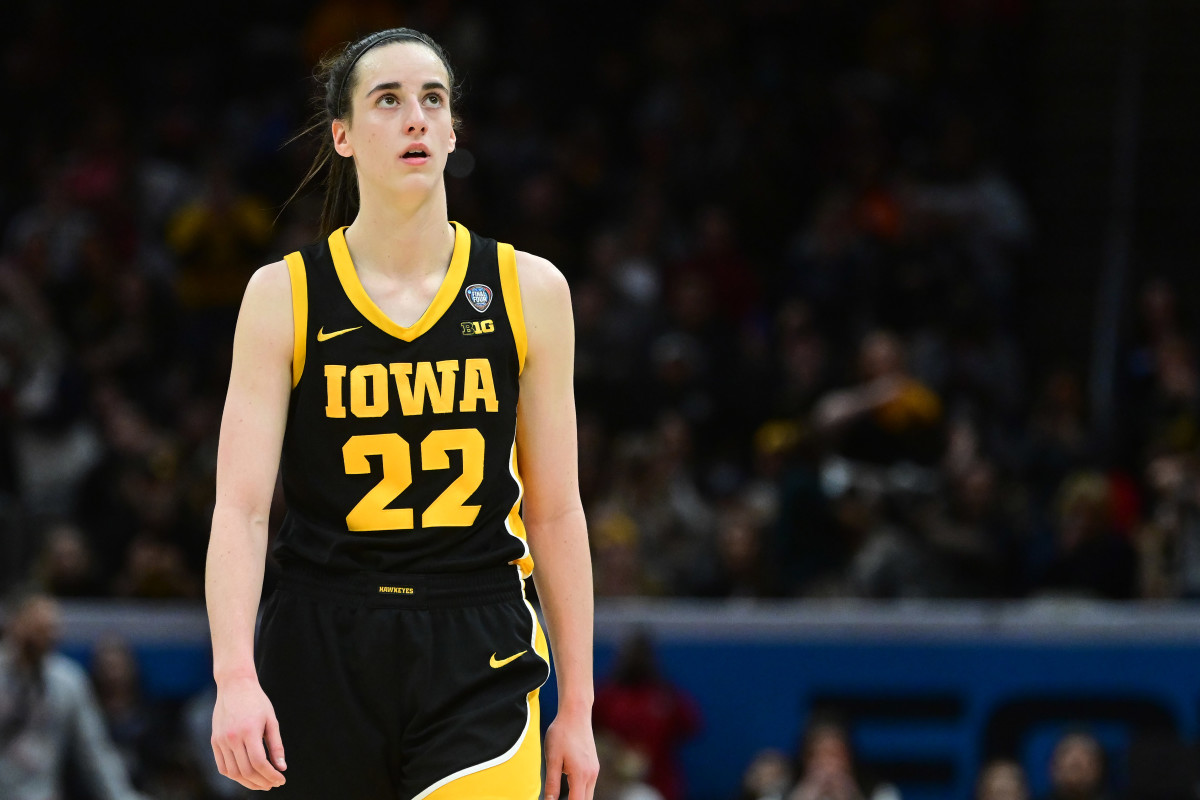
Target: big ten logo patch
{"points": [[478, 327]]}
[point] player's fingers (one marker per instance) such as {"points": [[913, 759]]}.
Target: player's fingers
{"points": [[258, 761], [554, 768], [589, 787], [219, 757], [246, 774], [583, 776], [275, 743]]}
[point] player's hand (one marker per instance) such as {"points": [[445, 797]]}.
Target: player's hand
{"points": [[571, 750], [242, 718]]}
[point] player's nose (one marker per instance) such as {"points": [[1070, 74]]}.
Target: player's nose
{"points": [[414, 117]]}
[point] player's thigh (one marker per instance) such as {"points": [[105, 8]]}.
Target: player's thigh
{"points": [[477, 733], [310, 659]]}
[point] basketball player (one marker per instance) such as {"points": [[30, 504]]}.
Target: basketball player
{"points": [[380, 369]]}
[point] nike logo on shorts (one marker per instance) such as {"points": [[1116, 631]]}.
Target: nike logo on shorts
{"points": [[498, 664]]}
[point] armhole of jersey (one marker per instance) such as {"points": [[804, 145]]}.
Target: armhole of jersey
{"points": [[295, 265], [512, 299]]}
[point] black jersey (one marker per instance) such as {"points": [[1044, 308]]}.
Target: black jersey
{"points": [[400, 448]]}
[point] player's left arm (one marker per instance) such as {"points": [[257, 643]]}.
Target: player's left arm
{"points": [[547, 454]]}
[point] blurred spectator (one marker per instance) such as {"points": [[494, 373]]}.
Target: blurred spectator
{"points": [[1092, 559], [718, 263], [642, 708], [155, 569], [1168, 541], [741, 569], [768, 776], [1159, 329], [654, 485], [974, 535], [54, 223], [807, 546], [1002, 779], [218, 238], [888, 415], [830, 265], [1058, 439], [622, 771], [1170, 414], [975, 205], [49, 720], [1077, 769], [127, 716], [826, 768], [66, 566], [616, 556]]}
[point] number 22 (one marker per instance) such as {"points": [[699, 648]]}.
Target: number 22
{"points": [[448, 510]]}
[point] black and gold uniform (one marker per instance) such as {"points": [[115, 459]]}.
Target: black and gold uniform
{"points": [[399, 651]]}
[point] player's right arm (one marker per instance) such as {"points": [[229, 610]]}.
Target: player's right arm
{"points": [[252, 424]]}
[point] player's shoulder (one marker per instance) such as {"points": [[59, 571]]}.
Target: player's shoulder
{"points": [[270, 279], [546, 300], [540, 279], [269, 287], [267, 309]]}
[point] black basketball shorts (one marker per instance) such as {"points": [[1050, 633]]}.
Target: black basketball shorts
{"points": [[405, 687]]}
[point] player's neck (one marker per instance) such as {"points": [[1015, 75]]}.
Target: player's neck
{"points": [[384, 240]]}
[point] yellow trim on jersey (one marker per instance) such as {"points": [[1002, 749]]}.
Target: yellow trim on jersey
{"points": [[516, 775], [295, 265], [446, 293], [511, 287], [514, 524]]}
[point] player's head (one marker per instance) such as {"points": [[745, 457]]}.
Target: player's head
{"points": [[379, 94], [340, 73]]}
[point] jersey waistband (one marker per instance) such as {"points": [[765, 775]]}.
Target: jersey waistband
{"points": [[412, 590]]}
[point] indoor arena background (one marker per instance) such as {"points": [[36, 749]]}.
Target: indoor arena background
{"points": [[886, 367]]}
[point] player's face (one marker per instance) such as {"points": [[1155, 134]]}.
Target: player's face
{"points": [[401, 131]]}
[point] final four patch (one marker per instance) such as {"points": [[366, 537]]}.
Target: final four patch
{"points": [[479, 296]]}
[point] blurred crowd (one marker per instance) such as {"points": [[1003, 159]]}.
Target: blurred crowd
{"points": [[825, 767], [90, 731], [799, 252], [643, 720], [798, 257]]}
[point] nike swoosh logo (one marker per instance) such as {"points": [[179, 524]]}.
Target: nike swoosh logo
{"points": [[323, 336], [498, 664]]}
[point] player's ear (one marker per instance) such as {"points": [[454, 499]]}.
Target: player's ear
{"points": [[341, 142], [453, 140]]}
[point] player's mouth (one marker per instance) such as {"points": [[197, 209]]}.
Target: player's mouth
{"points": [[416, 155]]}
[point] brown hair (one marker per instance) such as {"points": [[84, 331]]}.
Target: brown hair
{"points": [[336, 82]]}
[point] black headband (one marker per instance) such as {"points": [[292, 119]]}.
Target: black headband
{"points": [[371, 41]]}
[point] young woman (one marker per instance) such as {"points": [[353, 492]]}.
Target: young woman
{"points": [[379, 369]]}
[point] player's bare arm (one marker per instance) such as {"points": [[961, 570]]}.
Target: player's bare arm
{"points": [[247, 463], [554, 520]]}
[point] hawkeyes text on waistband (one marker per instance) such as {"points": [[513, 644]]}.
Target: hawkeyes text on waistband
{"points": [[495, 585]]}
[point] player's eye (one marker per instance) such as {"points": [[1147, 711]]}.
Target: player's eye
{"points": [[433, 99], [387, 101]]}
